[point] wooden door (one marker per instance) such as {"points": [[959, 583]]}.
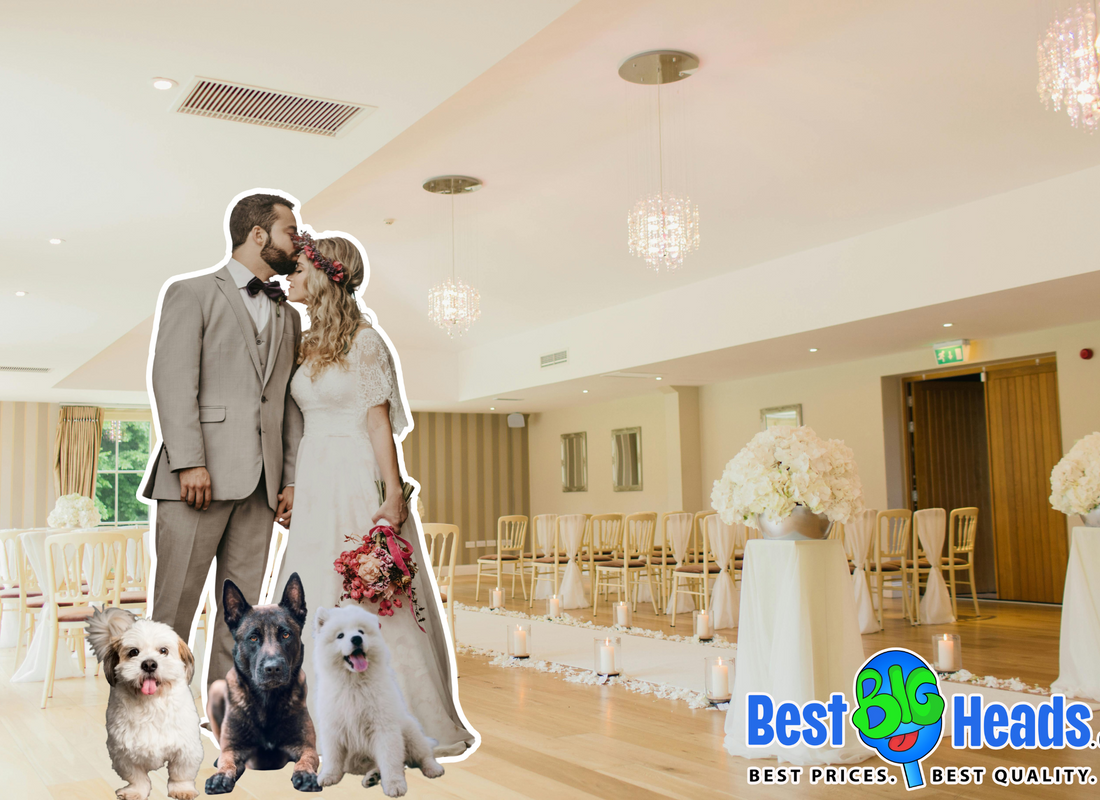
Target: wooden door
{"points": [[1025, 442], [951, 460]]}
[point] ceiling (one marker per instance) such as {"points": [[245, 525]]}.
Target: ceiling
{"points": [[806, 124]]}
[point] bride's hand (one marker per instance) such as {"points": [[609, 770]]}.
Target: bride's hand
{"points": [[394, 511]]}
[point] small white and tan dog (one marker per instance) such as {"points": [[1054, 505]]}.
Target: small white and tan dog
{"points": [[151, 716], [364, 723]]}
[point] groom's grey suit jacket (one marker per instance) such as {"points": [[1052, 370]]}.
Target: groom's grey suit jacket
{"points": [[217, 407]]}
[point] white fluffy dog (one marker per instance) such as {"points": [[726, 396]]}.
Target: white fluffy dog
{"points": [[364, 724], [151, 716]]}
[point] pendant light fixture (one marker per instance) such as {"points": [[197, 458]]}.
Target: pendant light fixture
{"points": [[453, 305]]}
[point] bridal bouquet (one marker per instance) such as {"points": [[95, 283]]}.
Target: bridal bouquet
{"points": [[73, 511], [785, 467], [1075, 480], [381, 567]]}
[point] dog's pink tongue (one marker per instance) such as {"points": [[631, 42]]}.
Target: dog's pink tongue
{"points": [[358, 662], [149, 686]]}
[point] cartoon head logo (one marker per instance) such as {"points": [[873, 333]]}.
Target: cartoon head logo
{"points": [[900, 710]]}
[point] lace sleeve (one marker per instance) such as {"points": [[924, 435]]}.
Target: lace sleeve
{"points": [[378, 378]]}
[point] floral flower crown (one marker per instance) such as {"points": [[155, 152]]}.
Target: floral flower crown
{"points": [[334, 269]]}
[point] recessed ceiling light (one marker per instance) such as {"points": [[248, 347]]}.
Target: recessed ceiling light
{"points": [[491, 408], [947, 324], [813, 349], [56, 241], [20, 294], [584, 391], [658, 377], [164, 84]]}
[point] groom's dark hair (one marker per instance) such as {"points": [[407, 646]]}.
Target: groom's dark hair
{"points": [[256, 209]]}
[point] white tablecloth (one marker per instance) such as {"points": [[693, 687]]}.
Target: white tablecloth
{"points": [[542, 541], [857, 539], [33, 667], [724, 597], [798, 641], [572, 537], [678, 529], [935, 606], [1079, 650]]}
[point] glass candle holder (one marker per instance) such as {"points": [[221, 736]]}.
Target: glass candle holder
{"points": [[553, 606], [519, 640], [702, 625], [717, 678], [496, 598], [622, 615], [608, 655], [947, 653]]}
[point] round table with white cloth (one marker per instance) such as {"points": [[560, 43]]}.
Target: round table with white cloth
{"points": [[678, 530], [572, 527], [935, 606], [857, 540], [1079, 647]]}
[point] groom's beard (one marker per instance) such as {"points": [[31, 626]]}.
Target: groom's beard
{"points": [[279, 260]]}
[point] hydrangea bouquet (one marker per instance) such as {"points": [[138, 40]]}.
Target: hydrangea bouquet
{"points": [[782, 468], [1075, 480], [380, 567], [73, 511]]}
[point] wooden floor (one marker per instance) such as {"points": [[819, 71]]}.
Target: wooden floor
{"points": [[545, 738]]}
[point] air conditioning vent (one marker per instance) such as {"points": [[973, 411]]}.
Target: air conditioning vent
{"points": [[553, 359], [293, 112], [24, 369], [509, 399], [649, 375]]}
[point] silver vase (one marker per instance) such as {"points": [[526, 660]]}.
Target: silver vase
{"points": [[1092, 519], [801, 524]]}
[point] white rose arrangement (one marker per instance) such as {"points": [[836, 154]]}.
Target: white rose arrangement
{"points": [[73, 511], [1075, 480], [784, 467]]}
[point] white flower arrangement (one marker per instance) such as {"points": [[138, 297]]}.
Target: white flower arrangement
{"points": [[73, 511], [1075, 480], [785, 467]]}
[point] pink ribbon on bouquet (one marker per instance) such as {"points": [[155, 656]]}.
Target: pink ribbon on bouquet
{"points": [[395, 551]]}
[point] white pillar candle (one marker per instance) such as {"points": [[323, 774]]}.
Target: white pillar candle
{"points": [[719, 681], [702, 626], [554, 606], [497, 599], [519, 642], [607, 658], [622, 614], [948, 657]]}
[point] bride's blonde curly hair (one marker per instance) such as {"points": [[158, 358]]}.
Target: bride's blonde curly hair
{"points": [[334, 314]]}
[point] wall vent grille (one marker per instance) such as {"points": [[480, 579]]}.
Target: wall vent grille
{"points": [[272, 109], [25, 369], [553, 359]]}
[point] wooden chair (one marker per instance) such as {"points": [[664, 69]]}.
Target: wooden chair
{"points": [[31, 600], [694, 576], [633, 558], [919, 565], [603, 541], [662, 560], [443, 543], [890, 546], [548, 565], [542, 535], [511, 537], [271, 575], [695, 552], [962, 531], [18, 593], [134, 594], [79, 582]]}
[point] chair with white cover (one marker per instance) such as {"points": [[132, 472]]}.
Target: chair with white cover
{"points": [[547, 567], [696, 551], [543, 529], [134, 594], [31, 599], [890, 548], [857, 540], [443, 541], [678, 531], [571, 532], [82, 568], [926, 566], [14, 595], [511, 538], [632, 561], [692, 578], [962, 531], [661, 558], [724, 595], [604, 538]]}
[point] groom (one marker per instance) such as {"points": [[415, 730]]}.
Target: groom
{"points": [[226, 348]]}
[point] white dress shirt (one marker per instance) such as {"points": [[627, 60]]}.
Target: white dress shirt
{"points": [[259, 307]]}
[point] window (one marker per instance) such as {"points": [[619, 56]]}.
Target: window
{"points": [[123, 454]]}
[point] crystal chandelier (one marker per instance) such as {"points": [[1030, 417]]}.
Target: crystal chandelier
{"points": [[453, 305], [662, 227], [1068, 67], [114, 431]]}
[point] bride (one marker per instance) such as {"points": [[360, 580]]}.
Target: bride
{"points": [[348, 392]]}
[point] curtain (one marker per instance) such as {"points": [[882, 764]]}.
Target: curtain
{"points": [[78, 433]]}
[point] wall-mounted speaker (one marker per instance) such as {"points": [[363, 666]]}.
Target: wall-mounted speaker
{"points": [[515, 420]]}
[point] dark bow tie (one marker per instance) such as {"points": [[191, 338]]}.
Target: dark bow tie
{"points": [[272, 289]]}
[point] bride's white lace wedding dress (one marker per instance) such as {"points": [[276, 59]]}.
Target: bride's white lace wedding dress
{"points": [[335, 496]]}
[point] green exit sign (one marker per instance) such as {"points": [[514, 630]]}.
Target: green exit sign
{"points": [[956, 352]]}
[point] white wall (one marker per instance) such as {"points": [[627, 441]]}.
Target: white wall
{"points": [[845, 401]]}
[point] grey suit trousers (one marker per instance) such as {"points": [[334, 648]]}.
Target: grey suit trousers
{"points": [[238, 532]]}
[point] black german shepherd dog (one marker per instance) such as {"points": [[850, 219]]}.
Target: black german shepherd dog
{"points": [[258, 713]]}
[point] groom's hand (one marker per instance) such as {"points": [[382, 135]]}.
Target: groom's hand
{"points": [[195, 488], [286, 505]]}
